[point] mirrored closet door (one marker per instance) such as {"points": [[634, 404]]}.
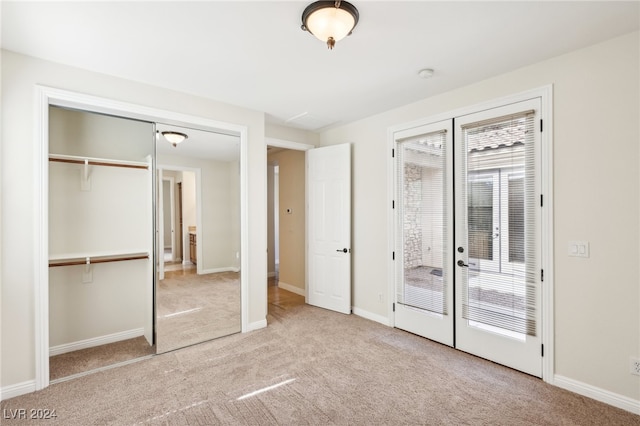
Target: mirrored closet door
{"points": [[144, 253], [198, 236], [100, 241]]}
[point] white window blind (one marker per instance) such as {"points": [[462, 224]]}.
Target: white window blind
{"points": [[422, 185], [500, 287]]}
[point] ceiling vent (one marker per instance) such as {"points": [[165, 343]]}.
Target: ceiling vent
{"points": [[307, 121]]}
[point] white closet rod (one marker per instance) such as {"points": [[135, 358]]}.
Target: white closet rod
{"points": [[97, 259], [98, 163]]}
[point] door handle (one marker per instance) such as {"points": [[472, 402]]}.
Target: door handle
{"points": [[461, 263], [344, 250]]}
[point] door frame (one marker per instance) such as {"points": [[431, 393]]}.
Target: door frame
{"points": [[198, 178], [545, 93], [45, 97], [162, 220], [172, 209], [295, 146]]}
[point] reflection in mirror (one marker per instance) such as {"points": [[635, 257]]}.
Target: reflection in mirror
{"points": [[198, 232]]}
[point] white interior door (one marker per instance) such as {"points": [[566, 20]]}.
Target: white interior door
{"points": [[160, 224], [329, 227], [424, 216], [498, 219]]}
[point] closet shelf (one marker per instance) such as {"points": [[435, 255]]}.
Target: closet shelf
{"points": [[73, 159], [92, 260]]}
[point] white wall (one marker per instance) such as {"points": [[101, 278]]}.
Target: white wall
{"points": [[291, 134], [113, 302], [19, 76], [189, 217], [596, 189]]}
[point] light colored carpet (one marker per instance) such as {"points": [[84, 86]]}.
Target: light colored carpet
{"points": [[210, 306], [312, 366], [84, 360], [193, 308]]}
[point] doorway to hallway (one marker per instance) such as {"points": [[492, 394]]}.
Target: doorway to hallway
{"points": [[286, 219]]}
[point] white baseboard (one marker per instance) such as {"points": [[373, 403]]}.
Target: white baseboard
{"points": [[370, 316], [256, 325], [292, 288], [216, 270], [17, 389], [95, 341], [598, 394], [271, 274]]}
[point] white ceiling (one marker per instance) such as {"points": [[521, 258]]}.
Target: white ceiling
{"points": [[254, 54]]}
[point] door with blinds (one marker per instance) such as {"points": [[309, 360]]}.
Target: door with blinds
{"points": [[468, 234], [424, 237], [497, 270]]}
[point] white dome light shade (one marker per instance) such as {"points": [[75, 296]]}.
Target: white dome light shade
{"points": [[330, 21]]}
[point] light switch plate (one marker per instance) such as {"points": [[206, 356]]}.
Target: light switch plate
{"points": [[579, 248]]}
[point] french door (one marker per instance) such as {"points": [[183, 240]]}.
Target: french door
{"points": [[424, 220], [468, 234]]}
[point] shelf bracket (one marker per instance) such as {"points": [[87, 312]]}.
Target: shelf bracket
{"points": [[85, 178], [87, 274]]}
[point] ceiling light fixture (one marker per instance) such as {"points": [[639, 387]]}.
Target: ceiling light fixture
{"points": [[330, 21], [174, 138], [426, 73]]}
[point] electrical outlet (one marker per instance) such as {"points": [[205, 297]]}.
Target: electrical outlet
{"points": [[634, 366]]}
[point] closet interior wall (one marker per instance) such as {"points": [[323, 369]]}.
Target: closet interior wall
{"points": [[100, 229]]}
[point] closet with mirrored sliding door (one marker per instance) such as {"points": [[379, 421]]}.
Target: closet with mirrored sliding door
{"points": [[100, 241]]}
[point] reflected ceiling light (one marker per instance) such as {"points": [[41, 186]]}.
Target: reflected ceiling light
{"points": [[174, 138], [330, 21]]}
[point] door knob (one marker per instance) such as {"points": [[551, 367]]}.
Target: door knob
{"points": [[461, 263], [344, 250]]}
